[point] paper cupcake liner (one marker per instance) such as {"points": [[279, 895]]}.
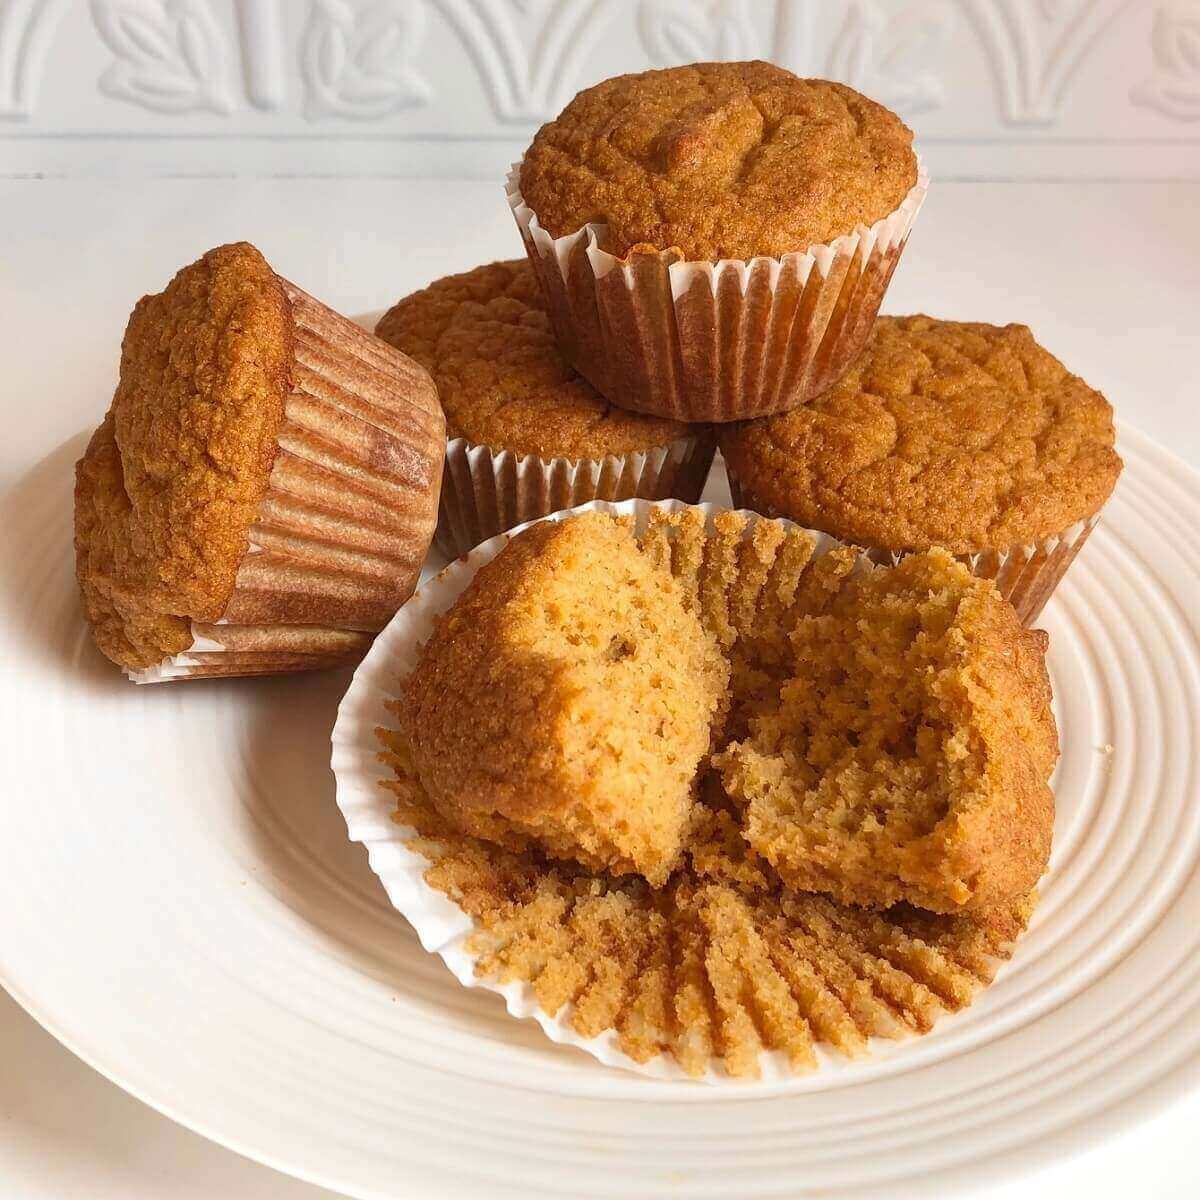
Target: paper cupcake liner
{"points": [[705, 341], [1025, 575], [341, 533], [442, 927], [447, 930], [486, 491]]}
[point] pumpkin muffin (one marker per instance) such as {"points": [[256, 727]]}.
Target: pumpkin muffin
{"points": [[800, 191], [943, 433], [528, 435], [908, 757], [724, 961], [263, 489], [566, 700]]}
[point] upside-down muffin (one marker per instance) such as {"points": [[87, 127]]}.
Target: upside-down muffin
{"points": [[263, 490]]}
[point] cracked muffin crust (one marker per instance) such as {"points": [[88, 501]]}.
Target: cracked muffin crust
{"points": [[948, 433], [485, 337], [719, 160]]}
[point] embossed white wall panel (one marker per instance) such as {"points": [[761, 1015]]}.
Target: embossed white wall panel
{"points": [[994, 88]]}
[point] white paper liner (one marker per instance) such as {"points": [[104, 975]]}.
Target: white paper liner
{"points": [[713, 341], [178, 666], [1025, 575], [231, 650], [487, 491], [367, 807]]}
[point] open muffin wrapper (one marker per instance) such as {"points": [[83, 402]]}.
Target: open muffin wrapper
{"points": [[713, 341], [443, 927], [340, 535], [486, 491], [1025, 575]]}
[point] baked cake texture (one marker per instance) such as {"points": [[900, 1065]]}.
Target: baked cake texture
{"points": [[567, 698], [909, 754], [718, 160], [724, 960], [485, 338], [264, 464], [942, 433]]}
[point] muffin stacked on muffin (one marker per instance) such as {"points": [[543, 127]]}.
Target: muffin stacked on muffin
{"points": [[528, 434], [704, 243]]}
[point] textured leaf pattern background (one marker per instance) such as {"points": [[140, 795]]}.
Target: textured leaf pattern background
{"points": [[1004, 87]]}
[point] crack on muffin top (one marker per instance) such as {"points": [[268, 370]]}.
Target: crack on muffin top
{"points": [[719, 160], [964, 435], [485, 337], [171, 481]]}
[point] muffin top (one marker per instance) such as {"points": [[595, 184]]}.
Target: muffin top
{"points": [[721, 160], [170, 482], [948, 433], [485, 338]]}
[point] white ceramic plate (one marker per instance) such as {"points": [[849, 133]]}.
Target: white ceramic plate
{"points": [[180, 905]]}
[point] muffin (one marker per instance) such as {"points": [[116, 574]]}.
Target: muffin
{"points": [[908, 756], [566, 700], [263, 490], [725, 961], [528, 435], [943, 433], [713, 240]]}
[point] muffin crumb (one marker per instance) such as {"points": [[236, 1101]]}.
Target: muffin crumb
{"points": [[567, 699], [908, 755]]}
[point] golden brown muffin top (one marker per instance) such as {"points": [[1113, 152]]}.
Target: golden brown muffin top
{"points": [[485, 338], [171, 481], [722, 160], [949, 433]]}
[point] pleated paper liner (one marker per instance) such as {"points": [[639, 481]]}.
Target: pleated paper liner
{"points": [[704, 341], [726, 974], [1025, 575], [486, 491], [349, 512]]}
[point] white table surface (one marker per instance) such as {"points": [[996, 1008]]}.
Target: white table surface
{"points": [[1108, 276]]}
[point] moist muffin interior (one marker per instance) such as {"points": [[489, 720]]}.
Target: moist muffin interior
{"points": [[719, 160], [567, 698], [485, 338], [908, 755], [724, 960]]}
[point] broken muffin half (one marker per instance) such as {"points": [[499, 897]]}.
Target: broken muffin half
{"points": [[566, 700], [909, 756]]}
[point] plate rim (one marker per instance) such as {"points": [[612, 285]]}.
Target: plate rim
{"points": [[1153, 1096]]}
